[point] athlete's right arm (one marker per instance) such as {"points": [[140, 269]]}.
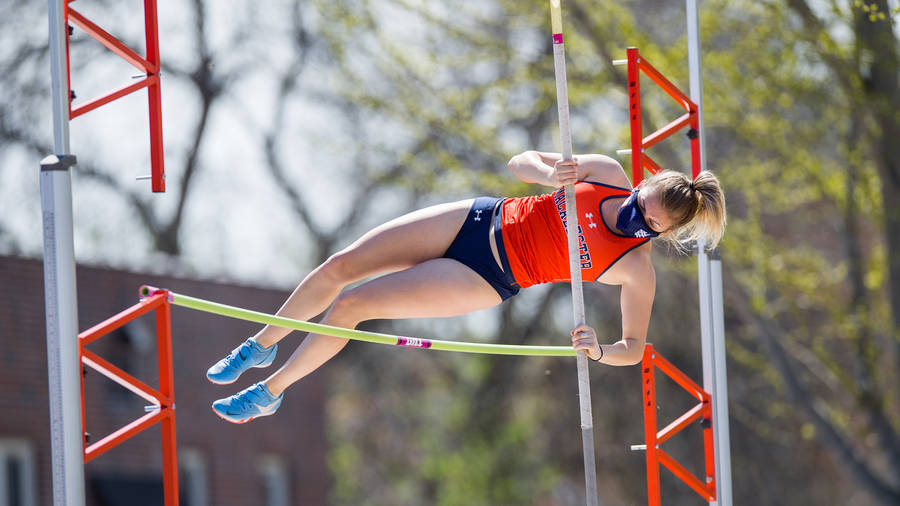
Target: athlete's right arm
{"points": [[535, 167], [546, 169]]}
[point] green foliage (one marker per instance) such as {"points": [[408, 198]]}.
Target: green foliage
{"points": [[441, 459]]}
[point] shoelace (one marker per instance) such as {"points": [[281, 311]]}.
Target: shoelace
{"points": [[235, 354], [242, 401]]}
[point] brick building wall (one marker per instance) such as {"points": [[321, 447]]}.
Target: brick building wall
{"points": [[278, 459]]}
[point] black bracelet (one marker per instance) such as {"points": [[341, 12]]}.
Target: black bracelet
{"points": [[601, 355]]}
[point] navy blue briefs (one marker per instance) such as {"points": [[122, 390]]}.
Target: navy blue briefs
{"points": [[472, 246]]}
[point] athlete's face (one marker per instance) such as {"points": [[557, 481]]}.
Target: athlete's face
{"points": [[651, 207]]}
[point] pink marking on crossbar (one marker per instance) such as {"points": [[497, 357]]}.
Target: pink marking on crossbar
{"points": [[557, 38], [413, 342]]}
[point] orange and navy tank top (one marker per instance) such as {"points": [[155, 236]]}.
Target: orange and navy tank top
{"points": [[535, 242]]}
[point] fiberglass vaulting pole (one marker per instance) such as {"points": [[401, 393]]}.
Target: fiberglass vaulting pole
{"points": [[712, 326], [584, 385], [63, 367]]}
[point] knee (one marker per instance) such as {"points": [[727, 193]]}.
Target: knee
{"points": [[348, 309], [338, 268]]}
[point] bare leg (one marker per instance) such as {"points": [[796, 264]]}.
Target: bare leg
{"points": [[398, 244], [435, 288]]}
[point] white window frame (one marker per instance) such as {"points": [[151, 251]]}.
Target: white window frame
{"points": [[275, 479], [22, 451], [192, 462]]}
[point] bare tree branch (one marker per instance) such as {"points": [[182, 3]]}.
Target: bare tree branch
{"points": [[808, 403], [843, 70]]}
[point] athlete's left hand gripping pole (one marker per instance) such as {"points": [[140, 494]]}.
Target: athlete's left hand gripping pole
{"points": [[584, 385]]}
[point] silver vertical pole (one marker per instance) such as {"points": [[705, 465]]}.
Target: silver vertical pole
{"points": [[584, 384], [63, 369], [59, 88], [721, 431], [707, 343], [696, 79], [712, 327]]}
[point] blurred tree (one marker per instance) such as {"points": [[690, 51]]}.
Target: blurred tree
{"points": [[805, 270], [19, 130], [813, 186]]}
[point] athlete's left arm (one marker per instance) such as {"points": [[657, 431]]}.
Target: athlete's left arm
{"points": [[548, 169], [638, 289]]}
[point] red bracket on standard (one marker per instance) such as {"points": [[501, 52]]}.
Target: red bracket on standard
{"points": [[162, 400], [640, 160], [655, 455], [149, 66]]}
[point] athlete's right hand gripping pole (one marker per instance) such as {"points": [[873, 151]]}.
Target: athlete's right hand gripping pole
{"points": [[584, 385]]}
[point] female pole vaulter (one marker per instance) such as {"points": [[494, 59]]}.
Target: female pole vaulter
{"points": [[456, 258]]}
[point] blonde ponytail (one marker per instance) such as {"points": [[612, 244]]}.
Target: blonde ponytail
{"points": [[697, 207]]}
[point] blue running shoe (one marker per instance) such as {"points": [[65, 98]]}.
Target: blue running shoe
{"points": [[248, 354], [252, 402]]}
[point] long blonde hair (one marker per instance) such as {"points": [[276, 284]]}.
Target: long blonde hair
{"points": [[697, 207]]}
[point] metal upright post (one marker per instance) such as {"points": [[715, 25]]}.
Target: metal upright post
{"points": [[710, 285], [63, 368], [648, 374], [584, 384], [707, 340], [167, 387], [721, 430], [634, 113]]}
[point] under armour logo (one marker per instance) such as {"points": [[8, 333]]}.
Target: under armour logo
{"points": [[590, 217], [478, 214], [641, 233]]}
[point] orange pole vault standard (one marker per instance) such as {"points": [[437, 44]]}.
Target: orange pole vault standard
{"points": [[702, 412], [162, 399], [652, 360], [149, 66], [640, 160]]}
